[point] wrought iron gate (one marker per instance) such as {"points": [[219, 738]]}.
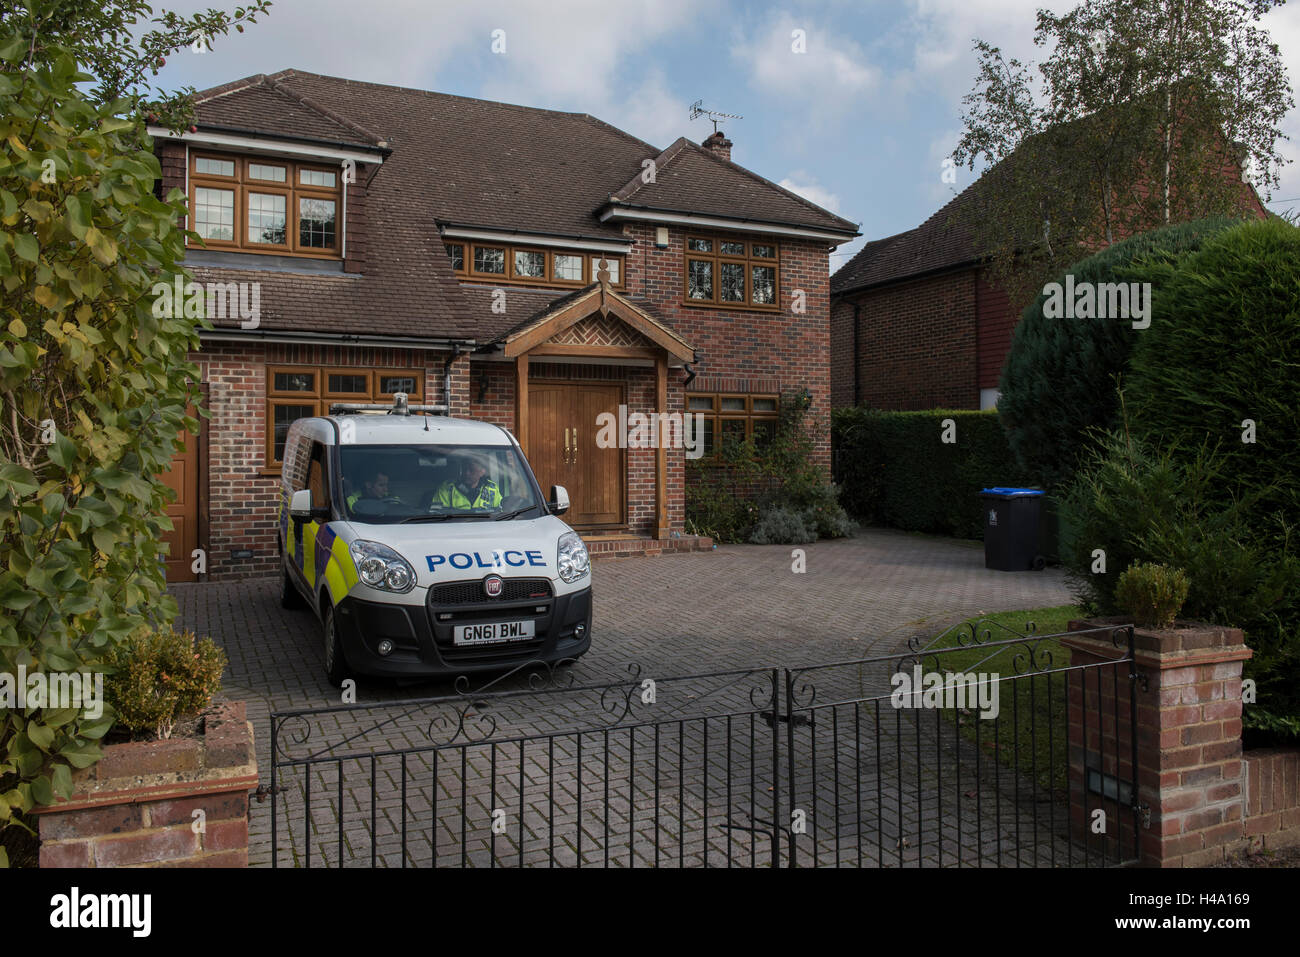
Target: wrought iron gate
{"points": [[828, 765]]}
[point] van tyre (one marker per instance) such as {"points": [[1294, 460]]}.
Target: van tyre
{"points": [[336, 665], [289, 596]]}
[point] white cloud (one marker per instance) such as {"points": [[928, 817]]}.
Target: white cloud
{"points": [[932, 175], [1284, 24], [806, 185], [586, 55], [833, 74], [650, 111]]}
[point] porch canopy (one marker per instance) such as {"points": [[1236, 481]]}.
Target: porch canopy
{"points": [[596, 322]]}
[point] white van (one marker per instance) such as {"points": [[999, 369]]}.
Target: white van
{"points": [[425, 546]]}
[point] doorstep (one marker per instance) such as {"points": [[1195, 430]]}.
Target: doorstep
{"points": [[622, 545]]}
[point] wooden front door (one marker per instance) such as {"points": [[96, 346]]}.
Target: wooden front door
{"points": [[183, 479], [562, 429]]}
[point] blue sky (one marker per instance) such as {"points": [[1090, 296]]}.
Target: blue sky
{"points": [[859, 123]]}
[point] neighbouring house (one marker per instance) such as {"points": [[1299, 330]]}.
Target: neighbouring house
{"points": [[528, 267], [917, 323]]}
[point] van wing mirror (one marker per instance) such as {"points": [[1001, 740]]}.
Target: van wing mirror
{"points": [[559, 503], [300, 504]]}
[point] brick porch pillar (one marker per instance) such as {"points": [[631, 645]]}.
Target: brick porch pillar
{"points": [[1190, 772]]}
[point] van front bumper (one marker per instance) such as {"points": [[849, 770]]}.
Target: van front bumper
{"points": [[423, 642]]}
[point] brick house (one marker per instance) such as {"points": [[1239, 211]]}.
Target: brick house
{"points": [[916, 322], [527, 267]]}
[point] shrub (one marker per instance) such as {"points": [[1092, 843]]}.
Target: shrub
{"points": [[93, 392], [783, 526], [1152, 594], [726, 495], [895, 470], [1060, 376], [1131, 504], [1224, 347], [713, 508], [162, 677]]}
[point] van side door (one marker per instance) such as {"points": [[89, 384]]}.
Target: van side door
{"points": [[318, 481]]}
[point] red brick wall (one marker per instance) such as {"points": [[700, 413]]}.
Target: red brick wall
{"points": [[995, 321], [917, 344], [842, 392], [495, 381], [791, 348], [113, 819], [1273, 797]]}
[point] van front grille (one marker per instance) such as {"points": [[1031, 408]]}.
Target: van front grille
{"points": [[471, 593]]}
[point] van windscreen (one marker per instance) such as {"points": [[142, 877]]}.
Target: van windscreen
{"points": [[401, 483]]}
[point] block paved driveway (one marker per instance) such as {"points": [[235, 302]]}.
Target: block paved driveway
{"points": [[687, 783]]}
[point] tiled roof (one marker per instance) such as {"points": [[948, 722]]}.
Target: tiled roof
{"points": [[489, 164], [691, 179], [849, 276], [942, 242], [391, 299], [451, 160], [265, 105]]}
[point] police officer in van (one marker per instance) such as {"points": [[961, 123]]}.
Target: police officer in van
{"points": [[474, 490], [374, 488]]}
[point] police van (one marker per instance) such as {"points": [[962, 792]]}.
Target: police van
{"points": [[425, 546]]}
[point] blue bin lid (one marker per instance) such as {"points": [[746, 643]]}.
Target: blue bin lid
{"points": [[1011, 492]]}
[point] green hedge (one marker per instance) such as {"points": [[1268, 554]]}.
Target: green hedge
{"points": [[1059, 379], [1223, 348], [895, 470]]}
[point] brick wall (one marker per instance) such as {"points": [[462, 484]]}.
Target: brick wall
{"points": [[789, 348], [842, 351], [996, 320], [1207, 799], [917, 344], [1273, 797], [136, 807]]}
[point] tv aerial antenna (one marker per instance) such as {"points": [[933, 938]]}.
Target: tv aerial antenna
{"points": [[698, 110]]}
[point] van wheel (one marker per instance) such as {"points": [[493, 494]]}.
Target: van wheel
{"points": [[289, 596], [336, 665]]}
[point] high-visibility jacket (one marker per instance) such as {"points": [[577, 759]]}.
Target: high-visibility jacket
{"points": [[452, 495]]}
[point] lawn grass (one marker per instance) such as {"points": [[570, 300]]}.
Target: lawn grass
{"points": [[1019, 737]]}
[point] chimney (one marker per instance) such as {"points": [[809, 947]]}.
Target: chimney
{"points": [[718, 145]]}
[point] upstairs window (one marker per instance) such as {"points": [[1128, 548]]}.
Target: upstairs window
{"points": [[525, 265], [265, 205], [731, 272]]}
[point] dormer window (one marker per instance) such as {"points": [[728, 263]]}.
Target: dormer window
{"points": [[265, 205], [524, 265]]}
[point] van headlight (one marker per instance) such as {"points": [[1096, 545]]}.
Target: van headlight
{"points": [[572, 558], [381, 567]]}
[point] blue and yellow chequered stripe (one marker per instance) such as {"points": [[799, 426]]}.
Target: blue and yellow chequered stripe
{"points": [[319, 551]]}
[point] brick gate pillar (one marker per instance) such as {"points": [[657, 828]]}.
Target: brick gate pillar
{"points": [[1190, 772]]}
